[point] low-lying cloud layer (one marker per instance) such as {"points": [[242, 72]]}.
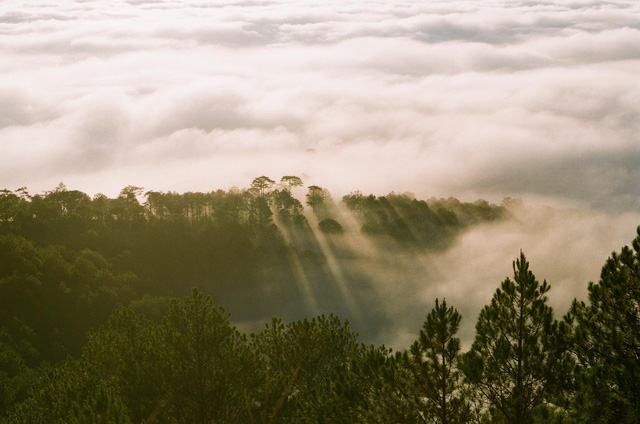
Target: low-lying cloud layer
{"points": [[463, 98], [567, 248], [385, 288]]}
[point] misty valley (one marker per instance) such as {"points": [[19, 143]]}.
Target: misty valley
{"points": [[276, 303], [319, 212]]}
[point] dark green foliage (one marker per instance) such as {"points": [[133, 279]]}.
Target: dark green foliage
{"points": [[311, 350], [260, 212], [67, 261], [223, 241], [195, 368], [50, 297], [375, 388], [433, 360], [607, 342], [512, 364], [290, 181], [55, 397], [118, 377], [416, 386], [423, 385], [262, 184], [289, 209], [330, 226], [192, 368], [432, 224], [128, 355], [208, 363], [13, 205], [103, 406], [316, 197]]}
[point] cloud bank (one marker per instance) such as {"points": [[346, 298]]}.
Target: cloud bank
{"points": [[394, 286], [464, 98]]}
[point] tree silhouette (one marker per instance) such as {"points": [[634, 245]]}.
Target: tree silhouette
{"points": [[607, 341], [262, 184], [290, 181], [511, 363], [316, 196], [433, 360]]}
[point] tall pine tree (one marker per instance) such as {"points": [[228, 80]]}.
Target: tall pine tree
{"points": [[433, 360], [607, 342], [511, 363]]}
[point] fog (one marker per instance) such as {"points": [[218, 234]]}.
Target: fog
{"points": [[565, 248], [385, 287]]}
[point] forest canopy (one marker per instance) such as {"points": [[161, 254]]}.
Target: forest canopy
{"points": [[112, 312]]}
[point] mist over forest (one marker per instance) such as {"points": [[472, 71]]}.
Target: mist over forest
{"points": [[264, 251], [281, 259], [338, 211]]}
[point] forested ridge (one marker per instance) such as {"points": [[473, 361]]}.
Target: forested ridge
{"points": [[100, 322]]}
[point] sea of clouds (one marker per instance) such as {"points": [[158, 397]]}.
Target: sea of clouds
{"points": [[534, 99]]}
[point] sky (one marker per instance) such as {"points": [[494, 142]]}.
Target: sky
{"points": [[472, 99]]}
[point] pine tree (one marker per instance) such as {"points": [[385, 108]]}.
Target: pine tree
{"points": [[511, 363], [312, 350], [376, 388], [607, 341], [433, 359], [209, 365], [102, 407]]}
